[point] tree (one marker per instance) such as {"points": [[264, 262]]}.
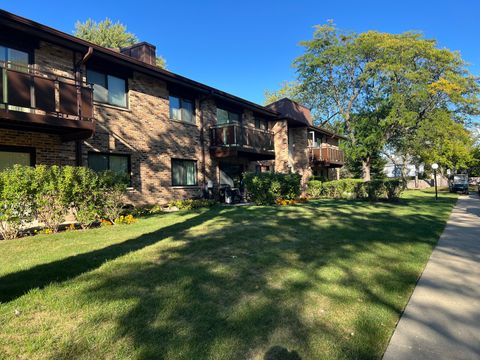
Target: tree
{"points": [[161, 62], [108, 34], [442, 140], [105, 33], [382, 84], [474, 166], [288, 89]]}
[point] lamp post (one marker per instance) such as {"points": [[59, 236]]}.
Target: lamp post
{"points": [[435, 167]]}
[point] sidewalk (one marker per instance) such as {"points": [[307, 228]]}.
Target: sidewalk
{"points": [[442, 318]]}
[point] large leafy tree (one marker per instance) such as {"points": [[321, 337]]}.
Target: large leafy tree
{"points": [[109, 34], [379, 88]]}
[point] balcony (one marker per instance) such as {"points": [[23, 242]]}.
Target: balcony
{"points": [[32, 100], [327, 155], [232, 140]]}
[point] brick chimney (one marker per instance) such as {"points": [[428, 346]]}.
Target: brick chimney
{"points": [[142, 51]]}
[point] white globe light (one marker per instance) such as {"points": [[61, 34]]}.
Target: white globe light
{"points": [[434, 166]]}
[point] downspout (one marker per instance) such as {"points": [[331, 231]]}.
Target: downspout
{"points": [[78, 79]]}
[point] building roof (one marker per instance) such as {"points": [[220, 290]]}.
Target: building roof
{"points": [[58, 37], [298, 115]]}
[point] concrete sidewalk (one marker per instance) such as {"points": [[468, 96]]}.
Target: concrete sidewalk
{"points": [[442, 318]]}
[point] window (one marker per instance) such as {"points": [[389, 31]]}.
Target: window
{"points": [[261, 124], [181, 109], [184, 172], [119, 164], [14, 56], [108, 89], [262, 168], [12, 155], [314, 139], [227, 117], [17, 60]]}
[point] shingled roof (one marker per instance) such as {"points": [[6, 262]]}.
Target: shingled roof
{"points": [[297, 114]]}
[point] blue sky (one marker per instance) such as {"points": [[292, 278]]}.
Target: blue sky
{"points": [[245, 47]]}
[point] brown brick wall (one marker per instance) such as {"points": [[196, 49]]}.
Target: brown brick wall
{"points": [[49, 149], [299, 157], [280, 138]]}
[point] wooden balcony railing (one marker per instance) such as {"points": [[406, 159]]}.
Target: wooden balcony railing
{"points": [[31, 98], [327, 154], [242, 138]]}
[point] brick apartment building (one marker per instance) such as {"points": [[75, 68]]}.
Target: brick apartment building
{"points": [[66, 101]]}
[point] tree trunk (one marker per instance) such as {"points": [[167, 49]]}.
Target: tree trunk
{"points": [[366, 169]]}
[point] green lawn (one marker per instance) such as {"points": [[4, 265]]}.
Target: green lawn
{"points": [[322, 280]]}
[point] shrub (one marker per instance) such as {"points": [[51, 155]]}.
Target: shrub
{"points": [[266, 188], [394, 188], [17, 200], [190, 204], [85, 195], [373, 190], [344, 189], [48, 193], [50, 196], [315, 189]]}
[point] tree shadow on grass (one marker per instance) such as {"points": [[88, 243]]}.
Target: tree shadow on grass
{"points": [[242, 287], [17, 284], [241, 283]]}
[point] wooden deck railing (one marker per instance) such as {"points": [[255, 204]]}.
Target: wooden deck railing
{"points": [[24, 89], [327, 153], [236, 135]]}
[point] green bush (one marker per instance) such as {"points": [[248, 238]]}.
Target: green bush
{"points": [[49, 193], [266, 188], [394, 188], [17, 200], [344, 189], [389, 189], [190, 204], [315, 189]]}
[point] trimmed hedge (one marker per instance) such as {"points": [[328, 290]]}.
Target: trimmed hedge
{"points": [[388, 189], [266, 188], [49, 193], [190, 204]]}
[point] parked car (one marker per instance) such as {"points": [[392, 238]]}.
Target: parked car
{"points": [[458, 183]]}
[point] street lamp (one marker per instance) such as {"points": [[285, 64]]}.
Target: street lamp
{"points": [[435, 167]]}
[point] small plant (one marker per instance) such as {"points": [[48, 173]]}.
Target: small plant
{"points": [[105, 222], [125, 219], [46, 231]]}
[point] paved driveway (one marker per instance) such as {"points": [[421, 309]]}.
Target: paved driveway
{"points": [[442, 318]]}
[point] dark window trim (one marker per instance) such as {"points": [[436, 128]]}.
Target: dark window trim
{"points": [[181, 99], [128, 156], [22, 149], [230, 111], [29, 51], [182, 160], [104, 73], [259, 121]]}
